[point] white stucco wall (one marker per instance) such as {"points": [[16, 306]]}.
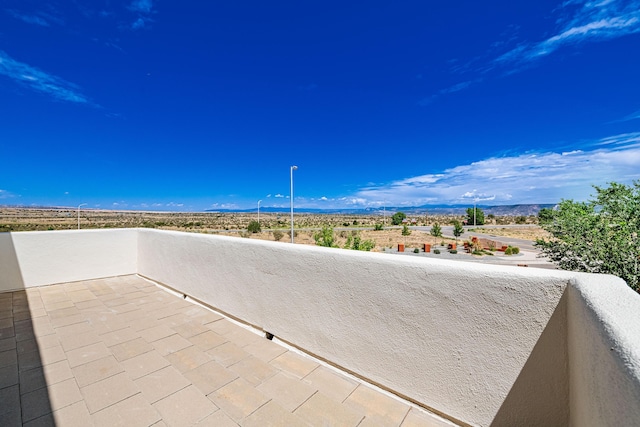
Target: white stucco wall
{"points": [[457, 337], [46, 257], [604, 357], [482, 344]]}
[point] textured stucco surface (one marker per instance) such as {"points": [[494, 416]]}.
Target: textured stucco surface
{"points": [[47, 257], [453, 336], [604, 342], [482, 344]]}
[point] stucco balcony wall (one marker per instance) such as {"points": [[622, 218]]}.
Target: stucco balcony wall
{"points": [[483, 345]]}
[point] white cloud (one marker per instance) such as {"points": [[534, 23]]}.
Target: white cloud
{"points": [[29, 19], [526, 178], [4, 194], [585, 21], [323, 198], [40, 81], [143, 8], [278, 196], [582, 21]]}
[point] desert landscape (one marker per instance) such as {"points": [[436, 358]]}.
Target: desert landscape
{"points": [[273, 226]]}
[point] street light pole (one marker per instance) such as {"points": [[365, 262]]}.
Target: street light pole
{"points": [[291, 197], [259, 211], [82, 204], [474, 212]]}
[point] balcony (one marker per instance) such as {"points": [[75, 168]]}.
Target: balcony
{"points": [[144, 327]]}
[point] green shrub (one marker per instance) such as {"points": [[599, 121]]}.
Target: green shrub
{"points": [[254, 227], [325, 237], [277, 235], [453, 251], [436, 251], [416, 251], [378, 227]]}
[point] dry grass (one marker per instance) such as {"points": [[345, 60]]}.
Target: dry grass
{"points": [[235, 224]]}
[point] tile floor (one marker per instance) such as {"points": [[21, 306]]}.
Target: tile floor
{"points": [[123, 351]]}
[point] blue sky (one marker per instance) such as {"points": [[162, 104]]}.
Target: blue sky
{"points": [[165, 105]]}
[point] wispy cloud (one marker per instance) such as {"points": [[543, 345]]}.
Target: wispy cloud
{"points": [[144, 9], [584, 21], [580, 22], [632, 116], [29, 19], [40, 81], [4, 194], [543, 177]]}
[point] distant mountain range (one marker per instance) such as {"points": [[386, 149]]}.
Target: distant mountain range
{"points": [[502, 210]]}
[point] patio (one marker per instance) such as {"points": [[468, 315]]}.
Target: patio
{"points": [[125, 351]]}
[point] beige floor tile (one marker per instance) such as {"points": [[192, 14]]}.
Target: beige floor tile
{"points": [[97, 370], [10, 398], [207, 340], [185, 407], [144, 323], [81, 295], [254, 370], [74, 415], [243, 337], [419, 418], [217, 419], [58, 322], [320, 410], [87, 354], [295, 364], [156, 333], [170, 344], [8, 357], [124, 308], [43, 376], [91, 305], [109, 391], [188, 358], [73, 341], [46, 400], [222, 326], [132, 412], [265, 350], [45, 356], [377, 406], [228, 353], [238, 399], [119, 336], [189, 329], [73, 329], [287, 390], [331, 384], [9, 376], [273, 415], [7, 344], [129, 349], [160, 384], [210, 376], [144, 364]]}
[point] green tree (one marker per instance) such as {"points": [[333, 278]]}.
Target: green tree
{"points": [[545, 215], [325, 237], [397, 218], [597, 236], [436, 231], [405, 232], [254, 227], [458, 230], [479, 216]]}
